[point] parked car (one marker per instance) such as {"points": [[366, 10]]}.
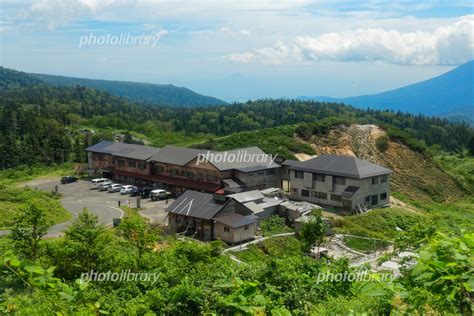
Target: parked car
{"points": [[127, 189], [68, 179], [114, 188], [104, 186], [159, 194], [143, 192], [98, 181]]}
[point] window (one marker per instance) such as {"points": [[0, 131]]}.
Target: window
{"points": [[174, 172], [383, 196], [271, 172], [367, 199], [246, 227], [132, 164], [226, 229], [295, 191], [339, 180], [305, 193], [141, 165], [319, 195], [121, 163], [336, 198], [374, 180], [211, 177], [383, 179], [299, 174], [159, 169], [200, 176], [189, 174], [319, 177]]}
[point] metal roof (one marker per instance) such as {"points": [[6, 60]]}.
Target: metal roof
{"points": [[247, 196], [131, 151], [339, 165], [176, 155], [196, 204], [236, 220]]}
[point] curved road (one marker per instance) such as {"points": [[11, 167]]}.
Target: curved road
{"points": [[76, 197]]}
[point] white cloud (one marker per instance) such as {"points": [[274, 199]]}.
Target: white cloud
{"points": [[240, 58], [446, 45]]}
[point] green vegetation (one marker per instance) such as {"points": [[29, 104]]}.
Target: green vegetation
{"points": [[461, 167], [13, 197], [275, 247], [379, 223], [42, 124], [274, 225], [364, 244], [382, 143]]}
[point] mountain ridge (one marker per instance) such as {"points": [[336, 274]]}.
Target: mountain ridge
{"points": [[161, 94], [450, 92]]}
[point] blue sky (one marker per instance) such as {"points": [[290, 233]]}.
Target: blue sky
{"points": [[247, 49]]}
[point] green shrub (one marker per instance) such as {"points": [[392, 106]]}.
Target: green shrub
{"points": [[382, 143]]}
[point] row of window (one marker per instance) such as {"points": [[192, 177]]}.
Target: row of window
{"points": [[191, 175], [318, 195], [318, 177], [337, 180]]}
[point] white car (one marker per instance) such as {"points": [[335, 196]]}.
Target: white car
{"points": [[114, 188], [159, 194], [99, 181], [104, 186], [127, 189]]}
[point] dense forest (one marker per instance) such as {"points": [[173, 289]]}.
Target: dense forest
{"points": [[137, 91], [45, 124]]}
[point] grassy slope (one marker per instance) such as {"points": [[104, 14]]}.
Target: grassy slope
{"points": [[12, 197]]}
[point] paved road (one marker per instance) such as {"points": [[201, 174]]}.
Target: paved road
{"points": [[76, 197], [80, 195]]}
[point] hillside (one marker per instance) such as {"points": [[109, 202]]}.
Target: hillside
{"points": [[136, 91], [449, 92], [416, 176]]}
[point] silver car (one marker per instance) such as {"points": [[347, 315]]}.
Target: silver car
{"points": [[104, 186], [114, 188]]}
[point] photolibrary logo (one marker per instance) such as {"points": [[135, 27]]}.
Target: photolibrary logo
{"points": [[123, 39], [240, 156], [121, 276], [359, 276]]}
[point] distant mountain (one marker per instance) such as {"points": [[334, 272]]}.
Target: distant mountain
{"points": [[11, 79], [136, 91], [450, 94]]}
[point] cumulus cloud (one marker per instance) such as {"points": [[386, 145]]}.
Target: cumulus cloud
{"points": [[447, 45], [451, 44]]}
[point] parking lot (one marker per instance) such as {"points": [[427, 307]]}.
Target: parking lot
{"points": [[83, 194]]}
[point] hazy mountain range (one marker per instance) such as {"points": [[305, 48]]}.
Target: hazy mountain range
{"points": [[136, 91], [449, 95]]}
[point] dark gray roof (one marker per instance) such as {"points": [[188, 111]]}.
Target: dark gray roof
{"points": [[236, 220], [177, 155], [258, 163], [339, 165], [124, 150], [196, 204]]}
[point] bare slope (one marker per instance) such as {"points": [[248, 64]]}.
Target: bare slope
{"points": [[415, 176]]}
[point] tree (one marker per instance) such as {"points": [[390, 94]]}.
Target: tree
{"points": [[445, 267], [313, 231], [85, 239], [136, 231], [30, 225], [471, 146]]}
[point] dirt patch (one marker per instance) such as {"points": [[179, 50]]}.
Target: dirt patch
{"points": [[415, 176], [303, 156]]}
